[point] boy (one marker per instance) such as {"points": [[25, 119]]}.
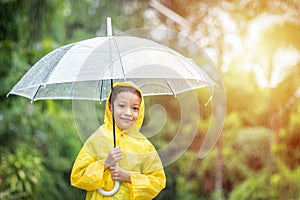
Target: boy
{"points": [[139, 169]]}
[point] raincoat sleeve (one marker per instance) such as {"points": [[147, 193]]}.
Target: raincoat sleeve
{"points": [[150, 182], [87, 171], [147, 186]]}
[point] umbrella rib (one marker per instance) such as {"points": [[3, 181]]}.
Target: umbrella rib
{"points": [[170, 87], [36, 93], [72, 89], [120, 59], [101, 89]]}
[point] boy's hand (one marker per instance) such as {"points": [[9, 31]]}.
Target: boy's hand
{"points": [[113, 157], [119, 174]]}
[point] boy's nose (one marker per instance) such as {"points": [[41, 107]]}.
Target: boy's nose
{"points": [[128, 111]]}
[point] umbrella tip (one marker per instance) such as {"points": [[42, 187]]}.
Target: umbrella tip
{"points": [[109, 28], [32, 100]]}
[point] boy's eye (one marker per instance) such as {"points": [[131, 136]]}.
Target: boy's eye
{"points": [[136, 108]]}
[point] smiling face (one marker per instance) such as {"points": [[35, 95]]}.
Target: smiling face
{"points": [[126, 109]]}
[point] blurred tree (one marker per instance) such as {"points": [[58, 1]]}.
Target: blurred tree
{"points": [[282, 185], [289, 141], [88, 18], [243, 39], [29, 168]]}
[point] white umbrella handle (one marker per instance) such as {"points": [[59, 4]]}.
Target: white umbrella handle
{"points": [[111, 192]]}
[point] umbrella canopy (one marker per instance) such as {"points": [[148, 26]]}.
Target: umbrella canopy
{"points": [[83, 70]]}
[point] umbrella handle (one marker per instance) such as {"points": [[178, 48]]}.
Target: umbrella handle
{"points": [[111, 192]]}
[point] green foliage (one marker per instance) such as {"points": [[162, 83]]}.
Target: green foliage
{"points": [[254, 145], [21, 173], [281, 184], [189, 178], [255, 187], [88, 18], [49, 135], [289, 141]]}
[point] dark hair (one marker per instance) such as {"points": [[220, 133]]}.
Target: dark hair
{"points": [[118, 89]]}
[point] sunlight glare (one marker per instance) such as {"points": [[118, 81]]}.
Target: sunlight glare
{"points": [[284, 59]]}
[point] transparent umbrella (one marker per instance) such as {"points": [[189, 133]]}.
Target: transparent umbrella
{"points": [[86, 70], [91, 64]]}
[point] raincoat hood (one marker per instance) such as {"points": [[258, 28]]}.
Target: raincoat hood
{"points": [[108, 114]]}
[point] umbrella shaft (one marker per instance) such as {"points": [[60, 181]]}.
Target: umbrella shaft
{"points": [[112, 112]]}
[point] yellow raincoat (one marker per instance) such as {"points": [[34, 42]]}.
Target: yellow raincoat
{"points": [[139, 158]]}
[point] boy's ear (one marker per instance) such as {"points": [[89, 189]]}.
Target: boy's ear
{"points": [[109, 106]]}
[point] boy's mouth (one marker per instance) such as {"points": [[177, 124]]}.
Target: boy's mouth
{"points": [[126, 119]]}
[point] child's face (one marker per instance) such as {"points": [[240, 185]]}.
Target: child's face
{"points": [[126, 109]]}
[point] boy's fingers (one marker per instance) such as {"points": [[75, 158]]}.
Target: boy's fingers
{"points": [[116, 150], [113, 168]]}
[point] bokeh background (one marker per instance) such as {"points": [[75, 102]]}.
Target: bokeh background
{"points": [[255, 46]]}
